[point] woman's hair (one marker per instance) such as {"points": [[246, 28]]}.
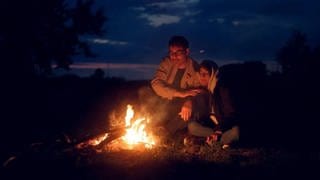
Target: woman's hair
{"points": [[212, 68], [209, 65]]}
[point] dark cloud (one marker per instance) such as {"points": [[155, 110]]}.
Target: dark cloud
{"points": [[222, 29]]}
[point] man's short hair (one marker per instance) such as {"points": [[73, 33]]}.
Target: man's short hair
{"points": [[179, 41]]}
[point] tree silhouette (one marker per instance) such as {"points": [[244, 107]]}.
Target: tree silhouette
{"points": [[36, 33], [295, 55], [297, 91], [315, 61], [316, 54], [98, 74]]}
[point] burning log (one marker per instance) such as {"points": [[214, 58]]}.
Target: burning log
{"points": [[102, 139], [114, 134]]}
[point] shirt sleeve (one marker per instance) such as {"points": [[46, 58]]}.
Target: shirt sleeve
{"points": [[159, 82]]}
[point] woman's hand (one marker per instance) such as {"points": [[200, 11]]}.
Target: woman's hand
{"points": [[214, 119]]}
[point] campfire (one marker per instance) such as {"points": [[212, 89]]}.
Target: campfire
{"points": [[132, 135], [135, 131]]}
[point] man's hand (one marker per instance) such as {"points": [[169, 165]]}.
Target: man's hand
{"points": [[183, 94], [186, 110]]}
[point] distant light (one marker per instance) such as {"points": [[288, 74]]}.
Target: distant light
{"points": [[202, 51]]}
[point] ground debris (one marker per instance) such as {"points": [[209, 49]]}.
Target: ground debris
{"points": [[171, 159]]}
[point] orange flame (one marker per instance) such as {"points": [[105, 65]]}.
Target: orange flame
{"points": [[135, 131], [135, 134]]}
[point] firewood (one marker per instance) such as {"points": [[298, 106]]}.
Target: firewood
{"points": [[101, 139]]}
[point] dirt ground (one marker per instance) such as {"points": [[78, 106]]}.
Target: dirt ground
{"points": [[29, 150], [170, 160]]}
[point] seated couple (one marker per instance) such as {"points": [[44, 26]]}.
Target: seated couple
{"points": [[190, 96], [212, 113]]}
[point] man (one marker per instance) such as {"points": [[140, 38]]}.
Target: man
{"points": [[175, 81]]}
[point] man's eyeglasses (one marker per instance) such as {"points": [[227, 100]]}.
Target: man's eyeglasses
{"points": [[203, 74], [177, 53]]}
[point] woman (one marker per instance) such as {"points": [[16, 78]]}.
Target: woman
{"points": [[214, 116]]}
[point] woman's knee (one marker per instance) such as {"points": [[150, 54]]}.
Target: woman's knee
{"points": [[231, 136]]}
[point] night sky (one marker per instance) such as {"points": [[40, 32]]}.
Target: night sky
{"points": [[227, 31]]}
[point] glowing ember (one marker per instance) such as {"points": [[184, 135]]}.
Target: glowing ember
{"points": [[135, 131], [93, 142], [98, 140]]}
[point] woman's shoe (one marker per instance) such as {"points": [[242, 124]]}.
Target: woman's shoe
{"points": [[215, 137]]}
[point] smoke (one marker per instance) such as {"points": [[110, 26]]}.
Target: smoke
{"points": [[152, 106]]}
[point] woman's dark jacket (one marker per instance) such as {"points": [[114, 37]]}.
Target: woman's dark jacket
{"points": [[223, 108]]}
